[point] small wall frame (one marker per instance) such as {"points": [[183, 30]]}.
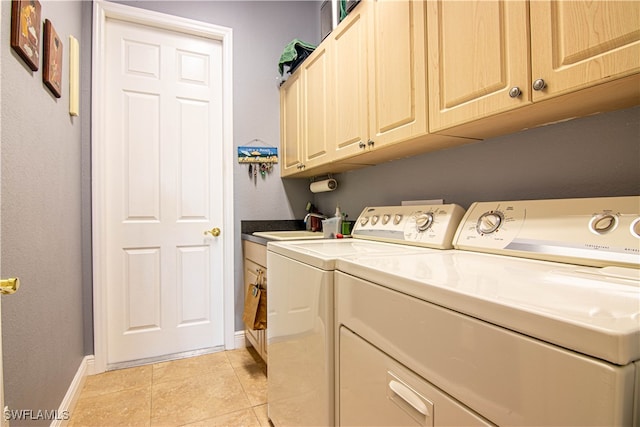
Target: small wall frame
{"points": [[52, 73], [25, 31]]}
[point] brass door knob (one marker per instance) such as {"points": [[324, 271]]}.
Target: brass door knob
{"points": [[9, 286], [215, 232]]}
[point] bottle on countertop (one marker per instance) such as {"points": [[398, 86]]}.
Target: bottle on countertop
{"points": [[332, 226]]}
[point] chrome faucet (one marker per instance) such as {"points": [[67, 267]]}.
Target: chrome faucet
{"points": [[315, 215]]}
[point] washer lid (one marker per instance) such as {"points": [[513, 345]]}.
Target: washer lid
{"points": [[322, 254], [595, 311]]}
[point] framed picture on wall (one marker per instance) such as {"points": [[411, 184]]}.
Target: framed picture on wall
{"points": [[52, 73], [25, 31]]}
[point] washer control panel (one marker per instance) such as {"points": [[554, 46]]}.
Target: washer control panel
{"points": [[425, 225], [601, 231]]}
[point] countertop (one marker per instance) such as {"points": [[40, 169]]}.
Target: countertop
{"points": [[247, 228]]}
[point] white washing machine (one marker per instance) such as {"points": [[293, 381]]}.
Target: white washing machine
{"points": [[534, 319], [300, 315]]}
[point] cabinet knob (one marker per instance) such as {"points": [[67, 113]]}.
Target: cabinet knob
{"points": [[362, 144], [539, 84], [370, 143], [515, 92]]}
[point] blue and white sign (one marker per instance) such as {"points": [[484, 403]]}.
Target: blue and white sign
{"points": [[257, 154]]}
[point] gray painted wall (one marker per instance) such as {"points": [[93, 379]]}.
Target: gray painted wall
{"points": [[595, 156], [42, 324]]}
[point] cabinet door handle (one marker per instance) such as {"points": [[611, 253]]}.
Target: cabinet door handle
{"points": [[362, 144], [371, 142], [515, 92]]}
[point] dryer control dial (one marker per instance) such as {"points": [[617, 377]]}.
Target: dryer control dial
{"points": [[424, 220], [489, 222], [603, 223]]}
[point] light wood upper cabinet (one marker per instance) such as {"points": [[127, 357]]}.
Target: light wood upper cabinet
{"points": [[486, 57], [362, 94], [398, 78], [378, 55], [575, 44], [304, 115], [397, 84], [315, 75], [290, 125], [350, 117], [478, 53]]}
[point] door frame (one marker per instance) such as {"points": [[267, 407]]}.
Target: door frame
{"points": [[103, 10]]}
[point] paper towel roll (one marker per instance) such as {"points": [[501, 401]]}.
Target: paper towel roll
{"points": [[324, 185]]}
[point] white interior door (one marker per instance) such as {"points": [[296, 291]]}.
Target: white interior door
{"points": [[163, 188], [3, 422]]}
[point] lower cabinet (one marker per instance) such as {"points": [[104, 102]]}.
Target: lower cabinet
{"points": [[255, 261]]}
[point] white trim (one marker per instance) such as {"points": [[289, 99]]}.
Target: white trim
{"points": [[73, 393], [165, 358], [240, 339], [102, 11]]}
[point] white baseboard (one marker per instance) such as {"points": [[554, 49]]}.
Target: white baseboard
{"points": [[239, 340], [73, 393]]}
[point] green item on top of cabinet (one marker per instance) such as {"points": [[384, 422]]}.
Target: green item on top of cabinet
{"points": [[294, 53]]}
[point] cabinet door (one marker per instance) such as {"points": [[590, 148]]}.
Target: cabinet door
{"points": [[316, 108], [251, 269], [290, 126], [576, 44], [349, 75], [397, 84], [478, 52]]}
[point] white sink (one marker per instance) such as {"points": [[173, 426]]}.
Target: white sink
{"points": [[289, 235]]}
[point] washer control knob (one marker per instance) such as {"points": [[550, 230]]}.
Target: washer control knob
{"points": [[424, 221], [635, 227], [375, 219], [364, 220], [397, 219], [385, 219], [603, 223], [489, 222]]}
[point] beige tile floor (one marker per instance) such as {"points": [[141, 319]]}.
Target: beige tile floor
{"points": [[228, 388]]}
